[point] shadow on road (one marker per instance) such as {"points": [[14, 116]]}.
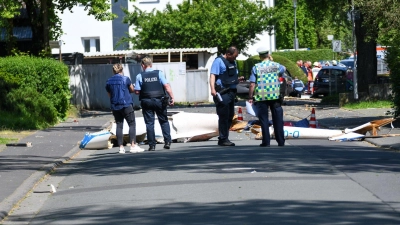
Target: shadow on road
{"points": [[231, 212]]}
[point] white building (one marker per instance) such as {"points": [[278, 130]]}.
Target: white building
{"points": [[83, 33]]}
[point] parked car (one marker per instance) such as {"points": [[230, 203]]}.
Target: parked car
{"points": [[330, 62], [332, 79], [381, 65], [349, 63]]}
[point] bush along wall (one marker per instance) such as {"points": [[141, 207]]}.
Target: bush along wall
{"points": [[35, 90]]}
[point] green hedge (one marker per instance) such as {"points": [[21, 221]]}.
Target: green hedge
{"points": [[245, 66], [310, 55], [35, 90]]}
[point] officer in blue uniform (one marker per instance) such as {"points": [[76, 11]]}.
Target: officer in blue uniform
{"points": [[298, 87], [264, 92], [151, 86], [223, 81]]}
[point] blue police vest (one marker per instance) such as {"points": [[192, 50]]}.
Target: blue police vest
{"points": [[230, 76], [151, 85], [297, 83]]}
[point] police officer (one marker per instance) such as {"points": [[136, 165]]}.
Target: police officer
{"points": [[151, 86], [119, 88], [298, 87], [266, 94], [223, 81]]}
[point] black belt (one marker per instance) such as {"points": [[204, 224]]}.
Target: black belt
{"points": [[152, 98]]}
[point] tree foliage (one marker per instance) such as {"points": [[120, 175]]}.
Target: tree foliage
{"points": [[43, 20], [384, 14], [8, 10], [200, 23], [335, 16]]}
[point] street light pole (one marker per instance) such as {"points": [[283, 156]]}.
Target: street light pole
{"points": [[296, 42]]}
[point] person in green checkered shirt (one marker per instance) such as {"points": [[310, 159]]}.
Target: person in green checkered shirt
{"points": [[264, 93]]}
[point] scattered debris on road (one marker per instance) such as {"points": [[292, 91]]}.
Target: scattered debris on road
{"points": [[27, 144]]}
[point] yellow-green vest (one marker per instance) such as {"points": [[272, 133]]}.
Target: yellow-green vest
{"points": [[267, 83]]}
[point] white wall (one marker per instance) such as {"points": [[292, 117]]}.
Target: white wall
{"points": [[77, 25]]}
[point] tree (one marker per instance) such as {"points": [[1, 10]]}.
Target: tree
{"points": [[43, 19], [285, 30], [8, 10], [200, 23], [384, 14], [366, 30], [315, 21]]}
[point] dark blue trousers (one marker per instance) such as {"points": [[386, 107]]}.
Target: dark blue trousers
{"points": [[150, 107], [225, 112], [277, 120]]}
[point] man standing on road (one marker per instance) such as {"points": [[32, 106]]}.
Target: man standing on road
{"points": [[266, 94], [151, 86], [119, 88], [223, 81]]}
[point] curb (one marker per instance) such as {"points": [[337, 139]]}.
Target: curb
{"points": [[11, 201]]}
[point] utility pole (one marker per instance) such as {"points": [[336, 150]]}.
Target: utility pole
{"points": [[296, 42]]}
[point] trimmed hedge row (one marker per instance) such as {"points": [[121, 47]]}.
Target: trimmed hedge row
{"points": [[310, 55], [35, 90]]}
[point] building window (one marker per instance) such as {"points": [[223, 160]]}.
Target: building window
{"points": [[86, 44], [91, 44], [97, 45]]}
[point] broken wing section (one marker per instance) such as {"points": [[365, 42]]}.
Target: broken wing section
{"points": [[372, 127], [185, 127], [194, 126]]}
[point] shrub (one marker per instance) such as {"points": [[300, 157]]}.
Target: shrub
{"points": [[34, 109], [35, 88]]}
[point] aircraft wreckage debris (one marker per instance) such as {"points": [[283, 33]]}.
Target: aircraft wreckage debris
{"points": [[27, 144], [190, 127]]}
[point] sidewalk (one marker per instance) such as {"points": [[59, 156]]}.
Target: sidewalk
{"points": [[22, 167]]}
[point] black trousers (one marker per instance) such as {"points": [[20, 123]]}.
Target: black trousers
{"points": [[128, 114]]}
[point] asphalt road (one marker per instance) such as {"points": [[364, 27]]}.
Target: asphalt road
{"points": [[305, 182]]}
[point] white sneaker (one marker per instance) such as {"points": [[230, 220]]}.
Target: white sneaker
{"points": [[136, 149], [122, 150]]}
